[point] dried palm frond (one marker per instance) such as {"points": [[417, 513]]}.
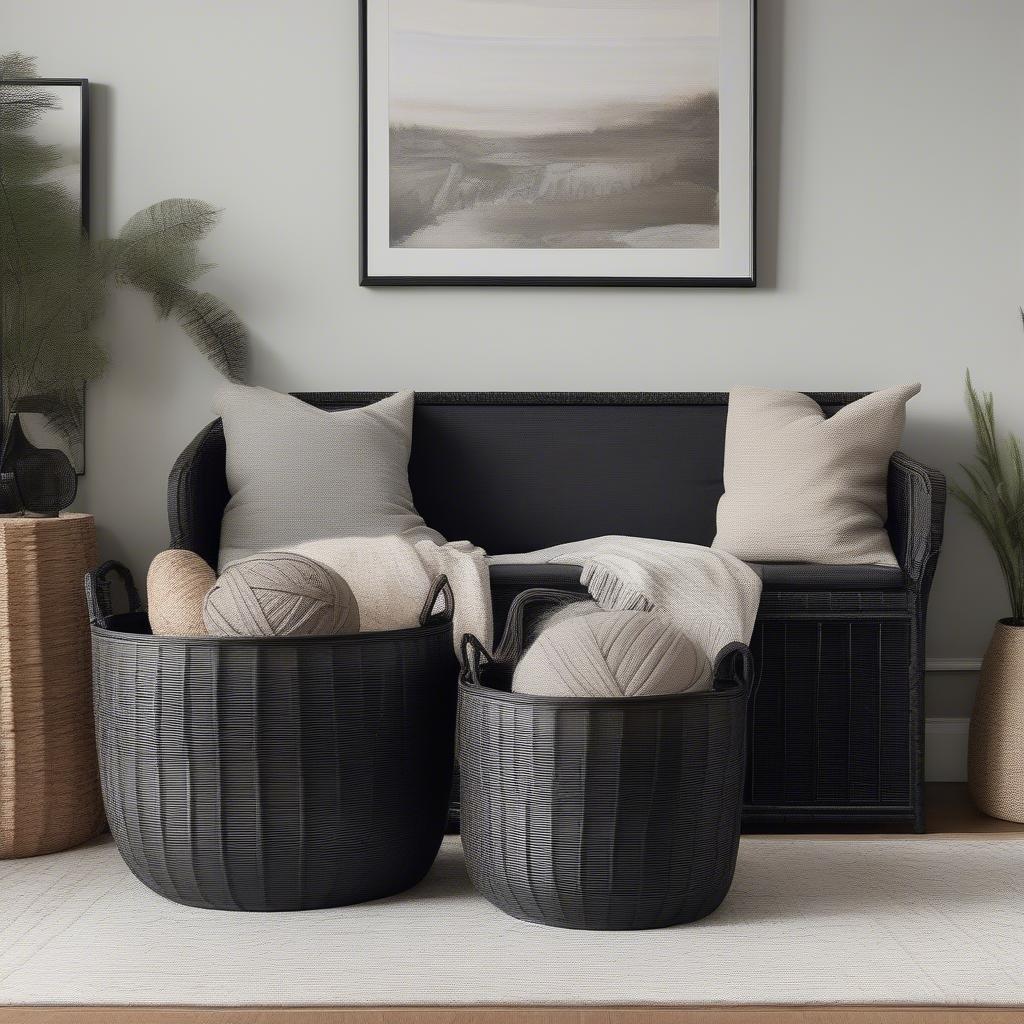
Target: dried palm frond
{"points": [[54, 281], [994, 494]]}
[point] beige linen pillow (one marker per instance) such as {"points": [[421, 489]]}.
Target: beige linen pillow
{"points": [[297, 473], [803, 488]]}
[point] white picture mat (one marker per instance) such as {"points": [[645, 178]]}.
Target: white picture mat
{"points": [[62, 127], [733, 258]]}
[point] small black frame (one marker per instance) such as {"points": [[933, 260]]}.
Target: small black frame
{"points": [[369, 280], [84, 198]]}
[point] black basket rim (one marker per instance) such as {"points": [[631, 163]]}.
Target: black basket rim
{"points": [[726, 690], [151, 639]]}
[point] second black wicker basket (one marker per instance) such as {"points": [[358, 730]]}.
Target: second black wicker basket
{"points": [[606, 813]]}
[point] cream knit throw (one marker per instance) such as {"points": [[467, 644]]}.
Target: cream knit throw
{"points": [[711, 595], [391, 577]]}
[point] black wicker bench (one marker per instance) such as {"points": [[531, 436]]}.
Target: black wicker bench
{"points": [[836, 715]]}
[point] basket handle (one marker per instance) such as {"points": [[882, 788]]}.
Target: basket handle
{"points": [[474, 656], [439, 588], [97, 592], [734, 666], [514, 638]]}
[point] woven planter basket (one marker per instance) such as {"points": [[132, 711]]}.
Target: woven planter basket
{"points": [[274, 774], [49, 786], [995, 753], [605, 813]]}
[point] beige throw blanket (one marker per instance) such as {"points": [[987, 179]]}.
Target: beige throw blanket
{"points": [[711, 595], [390, 577]]}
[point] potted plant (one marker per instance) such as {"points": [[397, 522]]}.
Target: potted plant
{"points": [[54, 279], [994, 496]]}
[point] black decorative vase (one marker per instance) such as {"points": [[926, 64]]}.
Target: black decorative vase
{"points": [[41, 481]]}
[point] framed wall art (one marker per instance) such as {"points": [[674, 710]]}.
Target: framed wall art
{"points": [[563, 142], [64, 127]]}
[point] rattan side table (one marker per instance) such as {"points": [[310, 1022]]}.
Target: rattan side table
{"points": [[49, 783]]}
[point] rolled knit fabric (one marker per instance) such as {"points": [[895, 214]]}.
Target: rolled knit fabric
{"points": [[280, 593], [568, 611], [611, 654], [177, 585]]}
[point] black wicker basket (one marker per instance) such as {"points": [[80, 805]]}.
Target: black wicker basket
{"points": [[273, 774], [604, 813]]}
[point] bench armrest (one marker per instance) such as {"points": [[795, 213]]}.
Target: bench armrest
{"points": [[197, 493], [917, 512]]}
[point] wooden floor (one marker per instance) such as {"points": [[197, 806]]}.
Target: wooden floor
{"points": [[950, 814], [521, 1015]]}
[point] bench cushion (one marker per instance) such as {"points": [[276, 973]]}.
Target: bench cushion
{"points": [[775, 575], [801, 576], [817, 582]]}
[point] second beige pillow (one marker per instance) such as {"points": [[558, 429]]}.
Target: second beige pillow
{"points": [[803, 488]]}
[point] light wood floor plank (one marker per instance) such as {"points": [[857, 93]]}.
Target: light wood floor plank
{"points": [[949, 814], [521, 1015]]}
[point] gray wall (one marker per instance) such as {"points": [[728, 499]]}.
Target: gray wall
{"points": [[890, 172]]}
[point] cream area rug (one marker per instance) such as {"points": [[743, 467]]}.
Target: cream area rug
{"points": [[911, 921]]}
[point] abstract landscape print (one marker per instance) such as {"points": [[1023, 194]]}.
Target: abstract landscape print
{"points": [[552, 137]]}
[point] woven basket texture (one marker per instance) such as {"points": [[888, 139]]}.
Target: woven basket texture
{"points": [[49, 786], [276, 774], [604, 813], [995, 752], [829, 713]]}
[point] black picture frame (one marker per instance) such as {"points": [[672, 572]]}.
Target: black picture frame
{"points": [[83, 84], [368, 280], [85, 185]]}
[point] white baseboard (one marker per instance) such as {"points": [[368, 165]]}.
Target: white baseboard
{"points": [[952, 664], [945, 749]]}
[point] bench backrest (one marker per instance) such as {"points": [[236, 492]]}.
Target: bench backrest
{"points": [[516, 472]]}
